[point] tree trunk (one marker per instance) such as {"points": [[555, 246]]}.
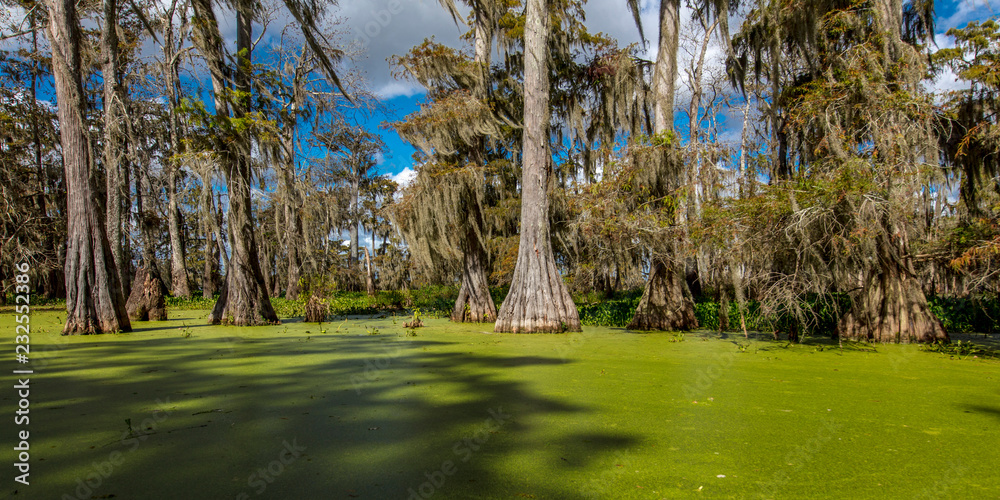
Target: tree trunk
{"points": [[94, 300], [114, 101], [665, 70], [210, 270], [146, 300], [293, 226], [206, 37], [892, 307], [293, 288], [267, 267], [474, 304], [317, 309], [723, 307], [244, 300], [666, 302], [369, 276], [146, 303], [539, 301], [178, 266], [354, 216]]}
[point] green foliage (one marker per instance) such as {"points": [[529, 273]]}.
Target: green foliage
{"points": [[289, 308], [962, 349], [967, 315], [498, 294], [36, 301], [959, 315], [974, 57], [979, 314], [616, 312], [196, 302], [433, 301]]}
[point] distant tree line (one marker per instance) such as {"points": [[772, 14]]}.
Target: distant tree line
{"points": [[551, 161]]}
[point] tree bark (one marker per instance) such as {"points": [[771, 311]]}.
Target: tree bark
{"points": [[369, 276], [538, 301], [94, 300], [354, 213], [266, 267], [244, 300], [210, 271], [723, 308], [274, 261], [293, 288], [474, 304], [146, 303], [665, 70], [114, 101], [666, 302], [178, 266], [892, 307]]}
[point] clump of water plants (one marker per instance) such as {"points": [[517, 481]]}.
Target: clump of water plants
{"points": [[316, 310], [416, 322]]}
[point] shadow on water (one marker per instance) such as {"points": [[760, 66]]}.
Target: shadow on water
{"points": [[987, 410], [292, 415]]}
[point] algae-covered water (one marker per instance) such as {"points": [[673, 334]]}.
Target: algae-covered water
{"points": [[358, 409]]}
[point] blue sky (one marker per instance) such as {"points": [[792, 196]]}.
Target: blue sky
{"points": [[378, 29], [418, 19]]}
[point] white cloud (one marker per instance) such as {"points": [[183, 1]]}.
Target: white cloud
{"points": [[969, 10], [947, 80], [397, 88], [373, 26], [404, 178], [384, 28]]}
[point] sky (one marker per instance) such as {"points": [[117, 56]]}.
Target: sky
{"points": [[379, 29], [376, 30], [391, 27]]}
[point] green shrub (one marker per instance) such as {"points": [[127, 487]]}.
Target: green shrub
{"points": [[196, 302], [980, 314], [616, 312], [820, 313], [285, 308]]}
